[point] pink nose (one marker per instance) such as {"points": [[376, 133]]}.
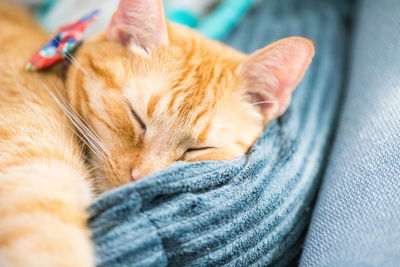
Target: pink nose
{"points": [[136, 175]]}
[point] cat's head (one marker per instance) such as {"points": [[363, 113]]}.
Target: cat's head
{"points": [[155, 92]]}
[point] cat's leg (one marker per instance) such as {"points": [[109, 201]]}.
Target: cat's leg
{"points": [[43, 188], [43, 217]]}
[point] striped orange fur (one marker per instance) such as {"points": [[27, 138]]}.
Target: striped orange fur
{"points": [[43, 191], [142, 95]]}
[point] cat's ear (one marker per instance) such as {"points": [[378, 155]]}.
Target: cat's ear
{"points": [[139, 25], [271, 74]]}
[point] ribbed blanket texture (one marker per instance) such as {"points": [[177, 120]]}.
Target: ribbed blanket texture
{"points": [[253, 210]]}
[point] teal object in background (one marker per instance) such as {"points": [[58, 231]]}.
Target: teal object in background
{"points": [[219, 23], [183, 16], [44, 8], [215, 25]]}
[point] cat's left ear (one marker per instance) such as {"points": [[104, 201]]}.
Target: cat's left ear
{"points": [[271, 74], [139, 25]]}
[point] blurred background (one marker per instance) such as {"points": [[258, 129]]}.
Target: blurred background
{"points": [[214, 18]]}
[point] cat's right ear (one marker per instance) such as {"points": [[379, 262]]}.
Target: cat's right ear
{"points": [[272, 73], [139, 25]]}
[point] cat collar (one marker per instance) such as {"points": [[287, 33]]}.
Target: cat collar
{"points": [[66, 39]]}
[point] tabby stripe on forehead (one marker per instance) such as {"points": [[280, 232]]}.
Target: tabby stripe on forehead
{"points": [[108, 79], [220, 76], [174, 97], [187, 70], [201, 114], [93, 113], [212, 81], [179, 107], [203, 135], [189, 55], [151, 106]]}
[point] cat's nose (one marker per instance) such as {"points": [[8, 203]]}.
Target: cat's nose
{"points": [[136, 175]]}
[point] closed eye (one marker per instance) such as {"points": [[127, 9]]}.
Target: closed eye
{"points": [[138, 119], [188, 152], [193, 149]]}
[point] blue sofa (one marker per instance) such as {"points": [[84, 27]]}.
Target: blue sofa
{"points": [[356, 221]]}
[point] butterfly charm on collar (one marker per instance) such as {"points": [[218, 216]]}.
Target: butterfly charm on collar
{"points": [[67, 38]]}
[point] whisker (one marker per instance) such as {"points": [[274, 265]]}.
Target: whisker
{"points": [[84, 124], [263, 102], [87, 129], [72, 59], [85, 134], [86, 141]]}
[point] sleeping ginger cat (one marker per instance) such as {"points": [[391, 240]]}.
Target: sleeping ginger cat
{"points": [[143, 95]]}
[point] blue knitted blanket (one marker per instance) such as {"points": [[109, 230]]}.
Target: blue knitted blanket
{"points": [[252, 210]]}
